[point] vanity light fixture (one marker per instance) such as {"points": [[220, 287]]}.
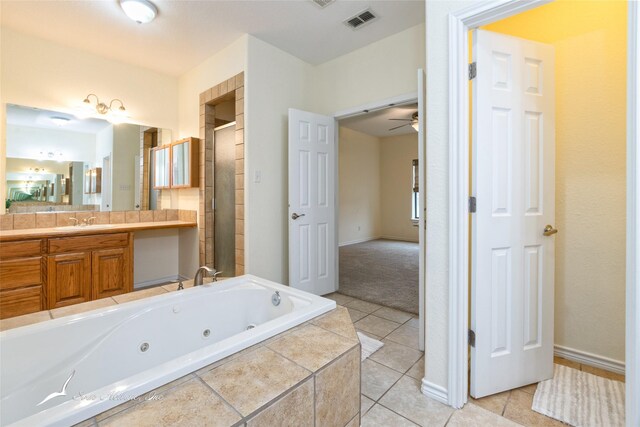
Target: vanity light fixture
{"points": [[141, 11], [103, 108]]}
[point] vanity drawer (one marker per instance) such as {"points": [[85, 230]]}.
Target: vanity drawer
{"points": [[88, 243], [16, 273], [17, 302], [23, 248]]}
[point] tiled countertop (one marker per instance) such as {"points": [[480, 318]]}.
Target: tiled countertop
{"points": [[271, 383], [91, 229]]}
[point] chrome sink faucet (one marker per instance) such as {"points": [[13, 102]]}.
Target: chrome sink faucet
{"points": [[205, 271]]}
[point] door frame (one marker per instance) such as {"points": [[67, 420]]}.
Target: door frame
{"points": [[407, 98], [460, 23]]}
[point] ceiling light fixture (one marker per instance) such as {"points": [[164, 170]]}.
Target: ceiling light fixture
{"points": [[60, 121], [141, 11]]}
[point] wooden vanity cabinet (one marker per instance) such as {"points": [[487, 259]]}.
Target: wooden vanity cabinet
{"points": [[85, 268], [22, 273]]}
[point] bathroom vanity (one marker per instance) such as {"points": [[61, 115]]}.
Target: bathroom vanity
{"points": [[47, 268]]}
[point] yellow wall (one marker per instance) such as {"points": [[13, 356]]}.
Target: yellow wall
{"points": [[590, 43]]}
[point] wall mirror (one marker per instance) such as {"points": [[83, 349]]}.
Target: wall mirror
{"points": [[56, 162]]}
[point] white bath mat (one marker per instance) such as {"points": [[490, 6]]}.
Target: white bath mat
{"points": [[580, 399], [369, 345]]}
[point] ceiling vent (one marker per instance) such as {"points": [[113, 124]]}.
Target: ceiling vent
{"points": [[361, 18], [323, 3]]}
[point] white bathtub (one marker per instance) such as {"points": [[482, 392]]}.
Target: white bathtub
{"points": [[103, 348]]}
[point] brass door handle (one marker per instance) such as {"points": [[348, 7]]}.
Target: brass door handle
{"points": [[549, 230], [295, 216]]}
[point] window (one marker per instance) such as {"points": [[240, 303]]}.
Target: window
{"points": [[415, 204]]}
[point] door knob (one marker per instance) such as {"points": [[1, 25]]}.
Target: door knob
{"points": [[295, 216], [549, 230]]}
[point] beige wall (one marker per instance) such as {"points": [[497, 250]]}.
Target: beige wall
{"points": [[359, 165], [381, 70], [126, 145], [437, 265], [396, 154], [274, 82], [590, 167]]}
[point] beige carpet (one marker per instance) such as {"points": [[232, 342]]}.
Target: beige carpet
{"points": [[580, 399], [384, 272]]}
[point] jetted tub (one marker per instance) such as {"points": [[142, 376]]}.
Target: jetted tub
{"points": [[102, 358]]}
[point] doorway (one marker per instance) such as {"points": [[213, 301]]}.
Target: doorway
{"points": [[224, 205], [378, 213], [486, 14]]}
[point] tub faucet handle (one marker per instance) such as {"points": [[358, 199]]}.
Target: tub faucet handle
{"points": [[180, 286], [215, 275]]}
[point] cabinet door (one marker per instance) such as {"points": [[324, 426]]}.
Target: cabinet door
{"points": [[111, 271], [69, 279], [16, 302]]}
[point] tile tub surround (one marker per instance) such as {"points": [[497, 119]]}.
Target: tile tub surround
{"points": [[269, 384], [23, 221]]}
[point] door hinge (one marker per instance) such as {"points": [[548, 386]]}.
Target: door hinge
{"points": [[473, 70], [471, 339], [472, 204]]}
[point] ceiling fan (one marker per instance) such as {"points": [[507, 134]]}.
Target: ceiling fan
{"points": [[413, 122]]}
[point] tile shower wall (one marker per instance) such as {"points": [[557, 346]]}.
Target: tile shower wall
{"points": [[231, 88]]}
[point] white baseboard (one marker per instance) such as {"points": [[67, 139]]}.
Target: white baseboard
{"points": [[353, 242], [435, 391], [400, 239], [148, 283], [590, 359]]}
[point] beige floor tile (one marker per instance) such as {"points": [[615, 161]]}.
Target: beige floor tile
{"points": [[356, 314], [145, 293], [190, 404], [367, 307], [377, 379], [405, 335], [376, 325], [339, 298], [406, 399], [417, 370], [295, 409], [519, 410], [24, 320], [531, 388], [396, 356], [81, 308], [312, 347], [393, 314], [256, 383], [602, 373], [494, 403], [365, 404], [475, 416], [379, 416], [414, 322], [565, 362]]}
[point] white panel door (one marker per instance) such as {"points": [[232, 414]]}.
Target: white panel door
{"points": [[512, 269], [312, 225]]}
